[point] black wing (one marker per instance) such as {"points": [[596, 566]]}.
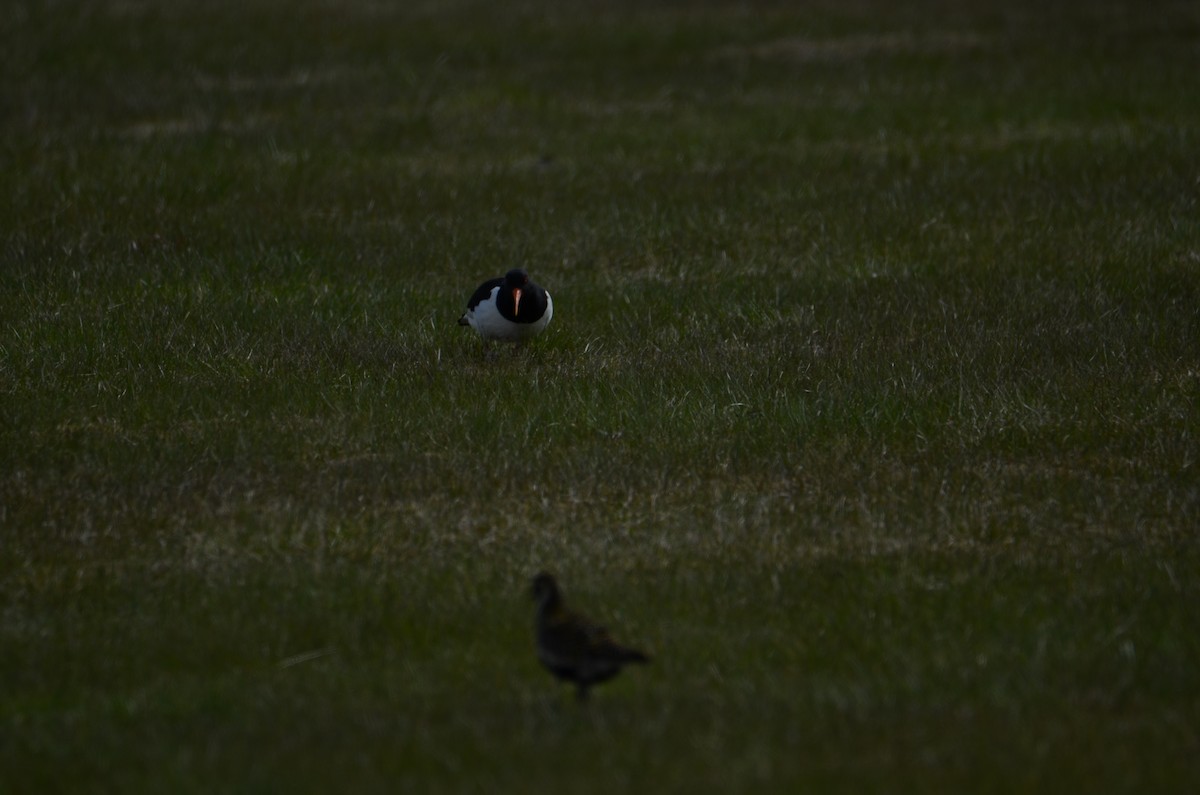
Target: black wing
{"points": [[483, 292]]}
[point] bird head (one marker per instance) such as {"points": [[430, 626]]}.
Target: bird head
{"points": [[515, 280], [545, 589]]}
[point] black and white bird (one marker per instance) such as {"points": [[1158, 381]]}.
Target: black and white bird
{"points": [[509, 309], [570, 646]]}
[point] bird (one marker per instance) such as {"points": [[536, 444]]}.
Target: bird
{"points": [[509, 308], [572, 647]]}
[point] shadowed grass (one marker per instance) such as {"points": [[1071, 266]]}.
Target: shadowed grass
{"points": [[869, 407]]}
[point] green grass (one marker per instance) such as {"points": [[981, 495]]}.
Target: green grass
{"points": [[869, 408]]}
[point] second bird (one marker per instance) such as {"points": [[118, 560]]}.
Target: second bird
{"points": [[508, 309], [570, 646]]}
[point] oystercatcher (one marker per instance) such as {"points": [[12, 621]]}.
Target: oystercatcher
{"points": [[509, 309], [570, 646]]}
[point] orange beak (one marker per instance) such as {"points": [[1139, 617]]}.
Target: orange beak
{"points": [[516, 301]]}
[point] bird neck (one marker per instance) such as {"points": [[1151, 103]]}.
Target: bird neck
{"points": [[550, 605]]}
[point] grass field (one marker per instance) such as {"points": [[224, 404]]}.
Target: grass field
{"points": [[870, 407]]}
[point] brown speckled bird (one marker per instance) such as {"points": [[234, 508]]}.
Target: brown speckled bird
{"points": [[570, 646]]}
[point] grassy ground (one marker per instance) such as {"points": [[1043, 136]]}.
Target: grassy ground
{"points": [[870, 405]]}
